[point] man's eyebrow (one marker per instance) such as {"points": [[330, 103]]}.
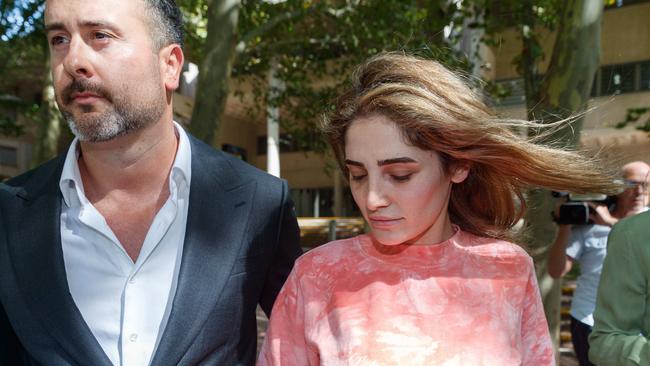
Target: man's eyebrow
{"points": [[403, 160], [86, 24], [54, 27]]}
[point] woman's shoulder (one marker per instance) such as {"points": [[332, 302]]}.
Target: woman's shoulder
{"points": [[491, 247], [334, 253]]}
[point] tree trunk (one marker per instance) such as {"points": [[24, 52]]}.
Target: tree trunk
{"points": [[52, 135], [564, 92], [212, 89]]}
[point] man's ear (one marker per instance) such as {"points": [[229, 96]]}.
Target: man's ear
{"points": [[459, 172], [171, 63]]}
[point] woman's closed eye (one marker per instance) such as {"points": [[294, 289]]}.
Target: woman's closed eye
{"points": [[401, 177]]}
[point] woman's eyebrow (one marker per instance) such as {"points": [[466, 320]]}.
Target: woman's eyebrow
{"points": [[396, 161], [402, 160], [352, 162]]}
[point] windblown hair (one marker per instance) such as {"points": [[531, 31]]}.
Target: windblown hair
{"points": [[166, 22], [436, 110]]}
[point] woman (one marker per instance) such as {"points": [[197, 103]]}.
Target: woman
{"points": [[439, 180]]}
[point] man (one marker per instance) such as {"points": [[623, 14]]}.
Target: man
{"points": [[622, 317], [587, 244], [141, 245]]}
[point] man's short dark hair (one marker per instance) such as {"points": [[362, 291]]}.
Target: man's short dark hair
{"points": [[166, 22]]}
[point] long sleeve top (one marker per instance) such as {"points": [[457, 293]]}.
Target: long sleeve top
{"points": [[466, 301], [622, 315]]}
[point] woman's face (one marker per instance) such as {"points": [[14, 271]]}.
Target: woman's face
{"points": [[401, 190]]}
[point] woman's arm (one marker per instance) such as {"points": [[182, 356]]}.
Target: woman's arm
{"points": [[286, 342], [536, 340]]}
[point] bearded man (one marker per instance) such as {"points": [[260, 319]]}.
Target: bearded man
{"points": [[141, 245]]}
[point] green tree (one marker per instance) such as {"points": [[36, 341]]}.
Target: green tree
{"points": [[314, 44]]}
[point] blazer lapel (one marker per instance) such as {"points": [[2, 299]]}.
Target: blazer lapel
{"points": [[37, 256], [217, 217]]}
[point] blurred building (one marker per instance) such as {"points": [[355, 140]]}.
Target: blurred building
{"points": [[622, 82]]}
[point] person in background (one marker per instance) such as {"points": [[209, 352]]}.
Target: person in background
{"points": [[436, 281], [141, 245], [587, 244], [622, 315]]}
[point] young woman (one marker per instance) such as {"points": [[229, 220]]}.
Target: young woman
{"points": [[438, 179]]}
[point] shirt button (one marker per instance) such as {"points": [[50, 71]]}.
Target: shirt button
{"points": [[133, 337], [132, 280]]}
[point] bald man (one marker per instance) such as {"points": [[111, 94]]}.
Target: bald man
{"points": [[587, 244]]}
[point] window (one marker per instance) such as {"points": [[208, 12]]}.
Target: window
{"points": [[8, 156], [616, 79], [644, 77], [319, 202]]}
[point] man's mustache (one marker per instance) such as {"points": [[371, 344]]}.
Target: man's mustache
{"points": [[83, 86]]}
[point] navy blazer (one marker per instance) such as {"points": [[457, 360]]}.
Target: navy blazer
{"points": [[240, 244]]}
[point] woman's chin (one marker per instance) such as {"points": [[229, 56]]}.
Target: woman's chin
{"points": [[387, 239]]}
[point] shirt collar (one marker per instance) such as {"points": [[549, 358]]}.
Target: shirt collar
{"points": [[72, 187]]}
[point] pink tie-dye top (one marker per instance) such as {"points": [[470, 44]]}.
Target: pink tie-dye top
{"points": [[466, 301]]}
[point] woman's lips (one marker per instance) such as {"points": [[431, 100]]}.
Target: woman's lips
{"points": [[383, 222]]}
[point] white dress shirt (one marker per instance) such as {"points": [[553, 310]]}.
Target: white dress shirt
{"points": [[126, 305]]}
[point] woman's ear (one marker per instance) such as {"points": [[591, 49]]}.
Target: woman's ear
{"points": [[459, 172]]}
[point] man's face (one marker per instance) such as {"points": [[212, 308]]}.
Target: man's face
{"points": [[635, 198], [107, 78]]}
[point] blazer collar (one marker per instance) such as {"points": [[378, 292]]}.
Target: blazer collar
{"points": [[220, 202], [35, 249]]}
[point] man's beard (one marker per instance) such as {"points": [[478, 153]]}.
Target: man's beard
{"points": [[123, 115]]}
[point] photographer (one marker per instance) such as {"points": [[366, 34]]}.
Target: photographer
{"points": [[587, 244]]}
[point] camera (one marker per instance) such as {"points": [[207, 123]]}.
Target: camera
{"points": [[576, 210]]}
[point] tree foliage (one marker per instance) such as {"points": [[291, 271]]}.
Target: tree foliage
{"points": [[315, 45], [23, 65]]}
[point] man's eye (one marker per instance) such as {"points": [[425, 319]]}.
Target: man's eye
{"points": [[357, 177], [100, 35], [57, 40]]}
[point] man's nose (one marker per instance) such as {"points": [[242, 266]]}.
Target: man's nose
{"points": [[77, 60]]}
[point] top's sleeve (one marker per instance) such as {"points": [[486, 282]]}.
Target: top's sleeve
{"points": [[286, 338], [576, 243], [536, 339], [621, 305], [287, 249]]}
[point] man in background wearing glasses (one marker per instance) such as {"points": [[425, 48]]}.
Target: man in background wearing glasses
{"points": [[587, 244]]}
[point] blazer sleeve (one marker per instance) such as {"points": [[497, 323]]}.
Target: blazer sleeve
{"points": [[287, 250], [619, 335]]}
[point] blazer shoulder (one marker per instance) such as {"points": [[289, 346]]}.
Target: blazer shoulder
{"points": [[240, 168], [34, 180]]}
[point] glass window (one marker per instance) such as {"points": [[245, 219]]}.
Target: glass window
{"points": [[616, 79], [8, 156], [644, 77]]}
